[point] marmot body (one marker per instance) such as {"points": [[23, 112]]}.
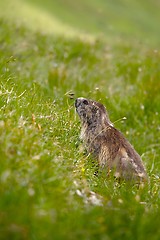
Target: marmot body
{"points": [[106, 143]]}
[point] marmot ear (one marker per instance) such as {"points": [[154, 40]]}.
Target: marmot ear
{"points": [[94, 109], [85, 102]]}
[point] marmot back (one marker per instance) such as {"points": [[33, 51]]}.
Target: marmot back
{"points": [[106, 143]]}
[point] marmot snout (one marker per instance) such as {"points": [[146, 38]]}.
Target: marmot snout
{"points": [[106, 143]]}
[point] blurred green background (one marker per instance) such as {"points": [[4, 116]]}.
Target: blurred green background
{"points": [[120, 19]]}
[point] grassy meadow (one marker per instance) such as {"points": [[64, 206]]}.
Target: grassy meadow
{"points": [[49, 55]]}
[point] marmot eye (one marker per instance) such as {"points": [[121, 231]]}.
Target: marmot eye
{"points": [[85, 102]]}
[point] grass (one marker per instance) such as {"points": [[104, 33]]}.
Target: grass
{"points": [[119, 19], [48, 187]]}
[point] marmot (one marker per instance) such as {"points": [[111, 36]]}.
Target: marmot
{"points": [[106, 143]]}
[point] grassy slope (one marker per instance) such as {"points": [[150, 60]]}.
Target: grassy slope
{"points": [[37, 19], [45, 180], [119, 18]]}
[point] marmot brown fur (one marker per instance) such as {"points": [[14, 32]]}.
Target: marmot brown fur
{"points": [[106, 143]]}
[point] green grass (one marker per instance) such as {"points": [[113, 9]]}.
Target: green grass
{"points": [[118, 19], [48, 189]]}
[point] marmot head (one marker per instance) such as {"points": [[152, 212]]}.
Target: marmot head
{"points": [[91, 112]]}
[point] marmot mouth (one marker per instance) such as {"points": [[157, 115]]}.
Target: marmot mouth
{"points": [[77, 103]]}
